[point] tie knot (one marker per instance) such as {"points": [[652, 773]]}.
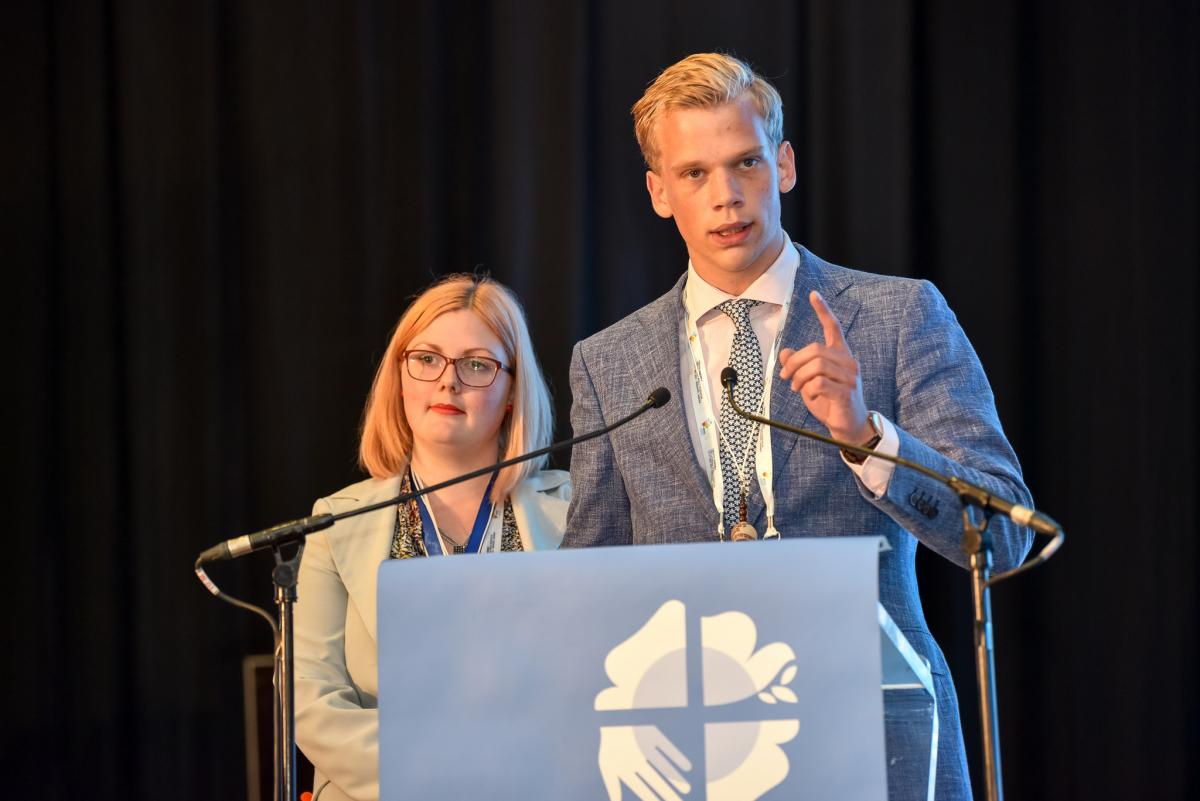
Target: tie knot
{"points": [[738, 310]]}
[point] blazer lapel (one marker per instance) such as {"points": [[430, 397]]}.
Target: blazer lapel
{"points": [[799, 329], [658, 362], [541, 515], [360, 544]]}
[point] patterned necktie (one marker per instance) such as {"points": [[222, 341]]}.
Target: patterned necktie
{"points": [[738, 433]]}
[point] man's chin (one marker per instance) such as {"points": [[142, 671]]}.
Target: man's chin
{"points": [[737, 260]]}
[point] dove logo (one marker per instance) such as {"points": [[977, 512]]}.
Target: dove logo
{"points": [[748, 711]]}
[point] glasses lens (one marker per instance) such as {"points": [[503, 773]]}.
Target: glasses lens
{"points": [[424, 365], [476, 372]]}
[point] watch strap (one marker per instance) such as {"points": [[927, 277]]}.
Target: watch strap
{"points": [[871, 444]]}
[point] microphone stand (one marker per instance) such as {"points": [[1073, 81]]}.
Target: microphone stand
{"points": [[977, 544], [284, 576], [286, 572]]}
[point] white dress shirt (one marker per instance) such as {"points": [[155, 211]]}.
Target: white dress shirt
{"points": [[715, 330]]}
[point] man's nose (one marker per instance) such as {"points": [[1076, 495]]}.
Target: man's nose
{"points": [[726, 190]]}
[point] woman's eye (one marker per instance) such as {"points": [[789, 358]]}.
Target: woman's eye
{"points": [[477, 365], [426, 358]]}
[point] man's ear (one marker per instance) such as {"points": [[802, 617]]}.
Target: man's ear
{"points": [[658, 194], [786, 161]]}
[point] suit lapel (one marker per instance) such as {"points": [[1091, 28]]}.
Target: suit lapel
{"points": [[799, 329], [656, 362], [360, 544]]}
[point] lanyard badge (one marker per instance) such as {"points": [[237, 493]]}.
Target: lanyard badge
{"points": [[433, 538]]}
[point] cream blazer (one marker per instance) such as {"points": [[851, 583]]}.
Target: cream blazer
{"points": [[337, 719]]}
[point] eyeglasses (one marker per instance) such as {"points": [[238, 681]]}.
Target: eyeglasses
{"points": [[472, 371]]}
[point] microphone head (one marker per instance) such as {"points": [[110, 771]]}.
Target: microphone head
{"points": [[728, 377], [659, 397]]}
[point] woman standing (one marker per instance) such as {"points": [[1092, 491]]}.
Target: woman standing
{"points": [[458, 389]]}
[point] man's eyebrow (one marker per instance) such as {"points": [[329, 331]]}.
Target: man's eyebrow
{"points": [[754, 152], [687, 166]]}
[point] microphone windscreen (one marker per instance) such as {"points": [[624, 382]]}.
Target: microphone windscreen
{"points": [[659, 397], [728, 377]]}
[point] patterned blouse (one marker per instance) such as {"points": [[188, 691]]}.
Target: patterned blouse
{"points": [[408, 540]]}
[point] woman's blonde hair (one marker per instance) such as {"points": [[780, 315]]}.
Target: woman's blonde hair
{"points": [[704, 80], [387, 439]]}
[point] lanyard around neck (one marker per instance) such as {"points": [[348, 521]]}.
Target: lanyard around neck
{"points": [[429, 529], [702, 413]]}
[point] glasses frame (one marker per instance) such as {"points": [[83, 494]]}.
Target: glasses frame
{"points": [[450, 361]]}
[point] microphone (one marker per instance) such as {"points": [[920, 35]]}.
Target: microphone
{"points": [[267, 538], [968, 492], [1021, 515], [658, 398], [297, 530]]}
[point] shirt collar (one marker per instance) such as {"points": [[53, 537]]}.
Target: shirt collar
{"points": [[774, 286]]}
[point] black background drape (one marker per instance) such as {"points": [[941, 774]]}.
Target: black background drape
{"points": [[214, 213]]}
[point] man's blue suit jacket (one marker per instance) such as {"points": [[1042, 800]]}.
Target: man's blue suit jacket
{"points": [[643, 483]]}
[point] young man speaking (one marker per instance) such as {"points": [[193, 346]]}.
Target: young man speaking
{"points": [[875, 360]]}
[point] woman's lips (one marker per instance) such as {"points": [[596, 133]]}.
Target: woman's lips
{"points": [[445, 408]]}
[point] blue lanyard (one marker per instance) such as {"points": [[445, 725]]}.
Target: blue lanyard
{"points": [[433, 544]]}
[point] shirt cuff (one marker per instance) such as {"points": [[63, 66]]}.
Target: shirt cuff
{"points": [[876, 474]]}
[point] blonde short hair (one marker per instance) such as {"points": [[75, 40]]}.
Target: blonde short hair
{"points": [[387, 440], [704, 80]]}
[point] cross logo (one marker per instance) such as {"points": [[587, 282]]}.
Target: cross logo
{"points": [[747, 713]]}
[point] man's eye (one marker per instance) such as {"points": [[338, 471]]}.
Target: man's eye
{"points": [[750, 162], [693, 173]]}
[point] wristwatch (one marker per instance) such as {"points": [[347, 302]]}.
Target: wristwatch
{"points": [[876, 422]]}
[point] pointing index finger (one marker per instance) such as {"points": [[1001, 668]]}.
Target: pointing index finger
{"points": [[829, 321]]}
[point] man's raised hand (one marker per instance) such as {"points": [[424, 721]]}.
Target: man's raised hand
{"points": [[827, 377]]}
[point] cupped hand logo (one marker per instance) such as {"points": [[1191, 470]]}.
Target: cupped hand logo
{"points": [[742, 754]]}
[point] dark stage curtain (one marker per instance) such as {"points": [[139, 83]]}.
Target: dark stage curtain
{"points": [[214, 213]]}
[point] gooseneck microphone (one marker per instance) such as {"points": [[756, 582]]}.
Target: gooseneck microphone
{"points": [[267, 538], [968, 492], [296, 530]]}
